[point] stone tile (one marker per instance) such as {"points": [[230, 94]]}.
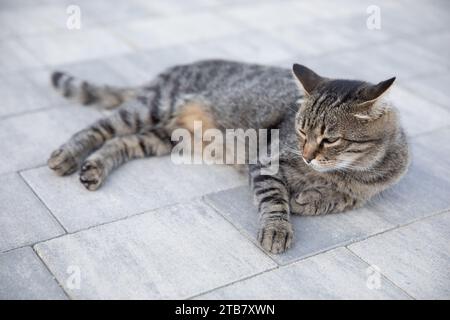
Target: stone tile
{"points": [[438, 43], [100, 11], [427, 178], [326, 66], [433, 88], [375, 62], [139, 67], [24, 277], [175, 30], [314, 39], [136, 187], [74, 45], [14, 57], [268, 15], [175, 252], [312, 235], [435, 152], [325, 276], [133, 68], [28, 140], [413, 21], [23, 218], [38, 19], [415, 257], [253, 46], [407, 54], [171, 7], [418, 115], [19, 95]]}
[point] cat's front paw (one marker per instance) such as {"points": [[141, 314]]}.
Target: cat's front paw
{"points": [[307, 202], [62, 162], [276, 236], [92, 174]]}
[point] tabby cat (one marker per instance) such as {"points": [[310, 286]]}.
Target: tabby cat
{"points": [[341, 143]]}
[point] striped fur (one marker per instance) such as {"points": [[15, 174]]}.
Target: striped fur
{"points": [[87, 94], [340, 143]]}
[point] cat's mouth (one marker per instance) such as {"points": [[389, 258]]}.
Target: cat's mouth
{"points": [[326, 166], [320, 167]]}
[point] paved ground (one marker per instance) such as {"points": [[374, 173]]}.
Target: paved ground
{"points": [[154, 235]]}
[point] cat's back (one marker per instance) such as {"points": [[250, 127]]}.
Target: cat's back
{"points": [[228, 75]]}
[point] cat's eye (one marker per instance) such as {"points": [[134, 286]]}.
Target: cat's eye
{"points": [[330, 140]]}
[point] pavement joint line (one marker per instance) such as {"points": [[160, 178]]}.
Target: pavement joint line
{"points": [[384, 275], [43, 203], [241, 231], [234, 282], [52, 274], [27, 112]]}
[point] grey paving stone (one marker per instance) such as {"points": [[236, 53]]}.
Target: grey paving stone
{"points": [[413, 21], [415, 257], [267, 15], [314, 39], [24, 277], [140, 67], [28, 140], [19, 95], [438, 43], [24, 219], [427, 178], [174, 30], [252, 46], [433, 87], [312, 234], [418, 115], [175, 252], [136, 68], [168, 8], [136, 187], [435, 152], [375, 62], [100, 12], [14, 57], [74, 45], [38, 19], [337, 274]]}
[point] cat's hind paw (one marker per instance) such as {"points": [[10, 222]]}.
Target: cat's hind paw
{"points": [[92, 174], [276, 236], [62, 162]]}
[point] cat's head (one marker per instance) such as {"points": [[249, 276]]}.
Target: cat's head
{"points": [[342, 124]]}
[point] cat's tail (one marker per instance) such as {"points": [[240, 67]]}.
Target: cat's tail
{"points": [[87, 94]]}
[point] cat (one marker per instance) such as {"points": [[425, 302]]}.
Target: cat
{"points": [[340, 140]]}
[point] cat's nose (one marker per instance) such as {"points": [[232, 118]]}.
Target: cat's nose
{"points": [[308, 159], [309, 153]]}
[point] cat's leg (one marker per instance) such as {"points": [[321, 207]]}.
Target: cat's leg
{"points": [[119, 150], [272, 197], [126, 120], [319, 200]]}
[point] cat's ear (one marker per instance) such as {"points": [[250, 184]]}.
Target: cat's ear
{"points": [[373, 92], [307, 78], [369, 109]]}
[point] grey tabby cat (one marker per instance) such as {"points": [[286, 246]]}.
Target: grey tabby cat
{"points": [[340, 142]]}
